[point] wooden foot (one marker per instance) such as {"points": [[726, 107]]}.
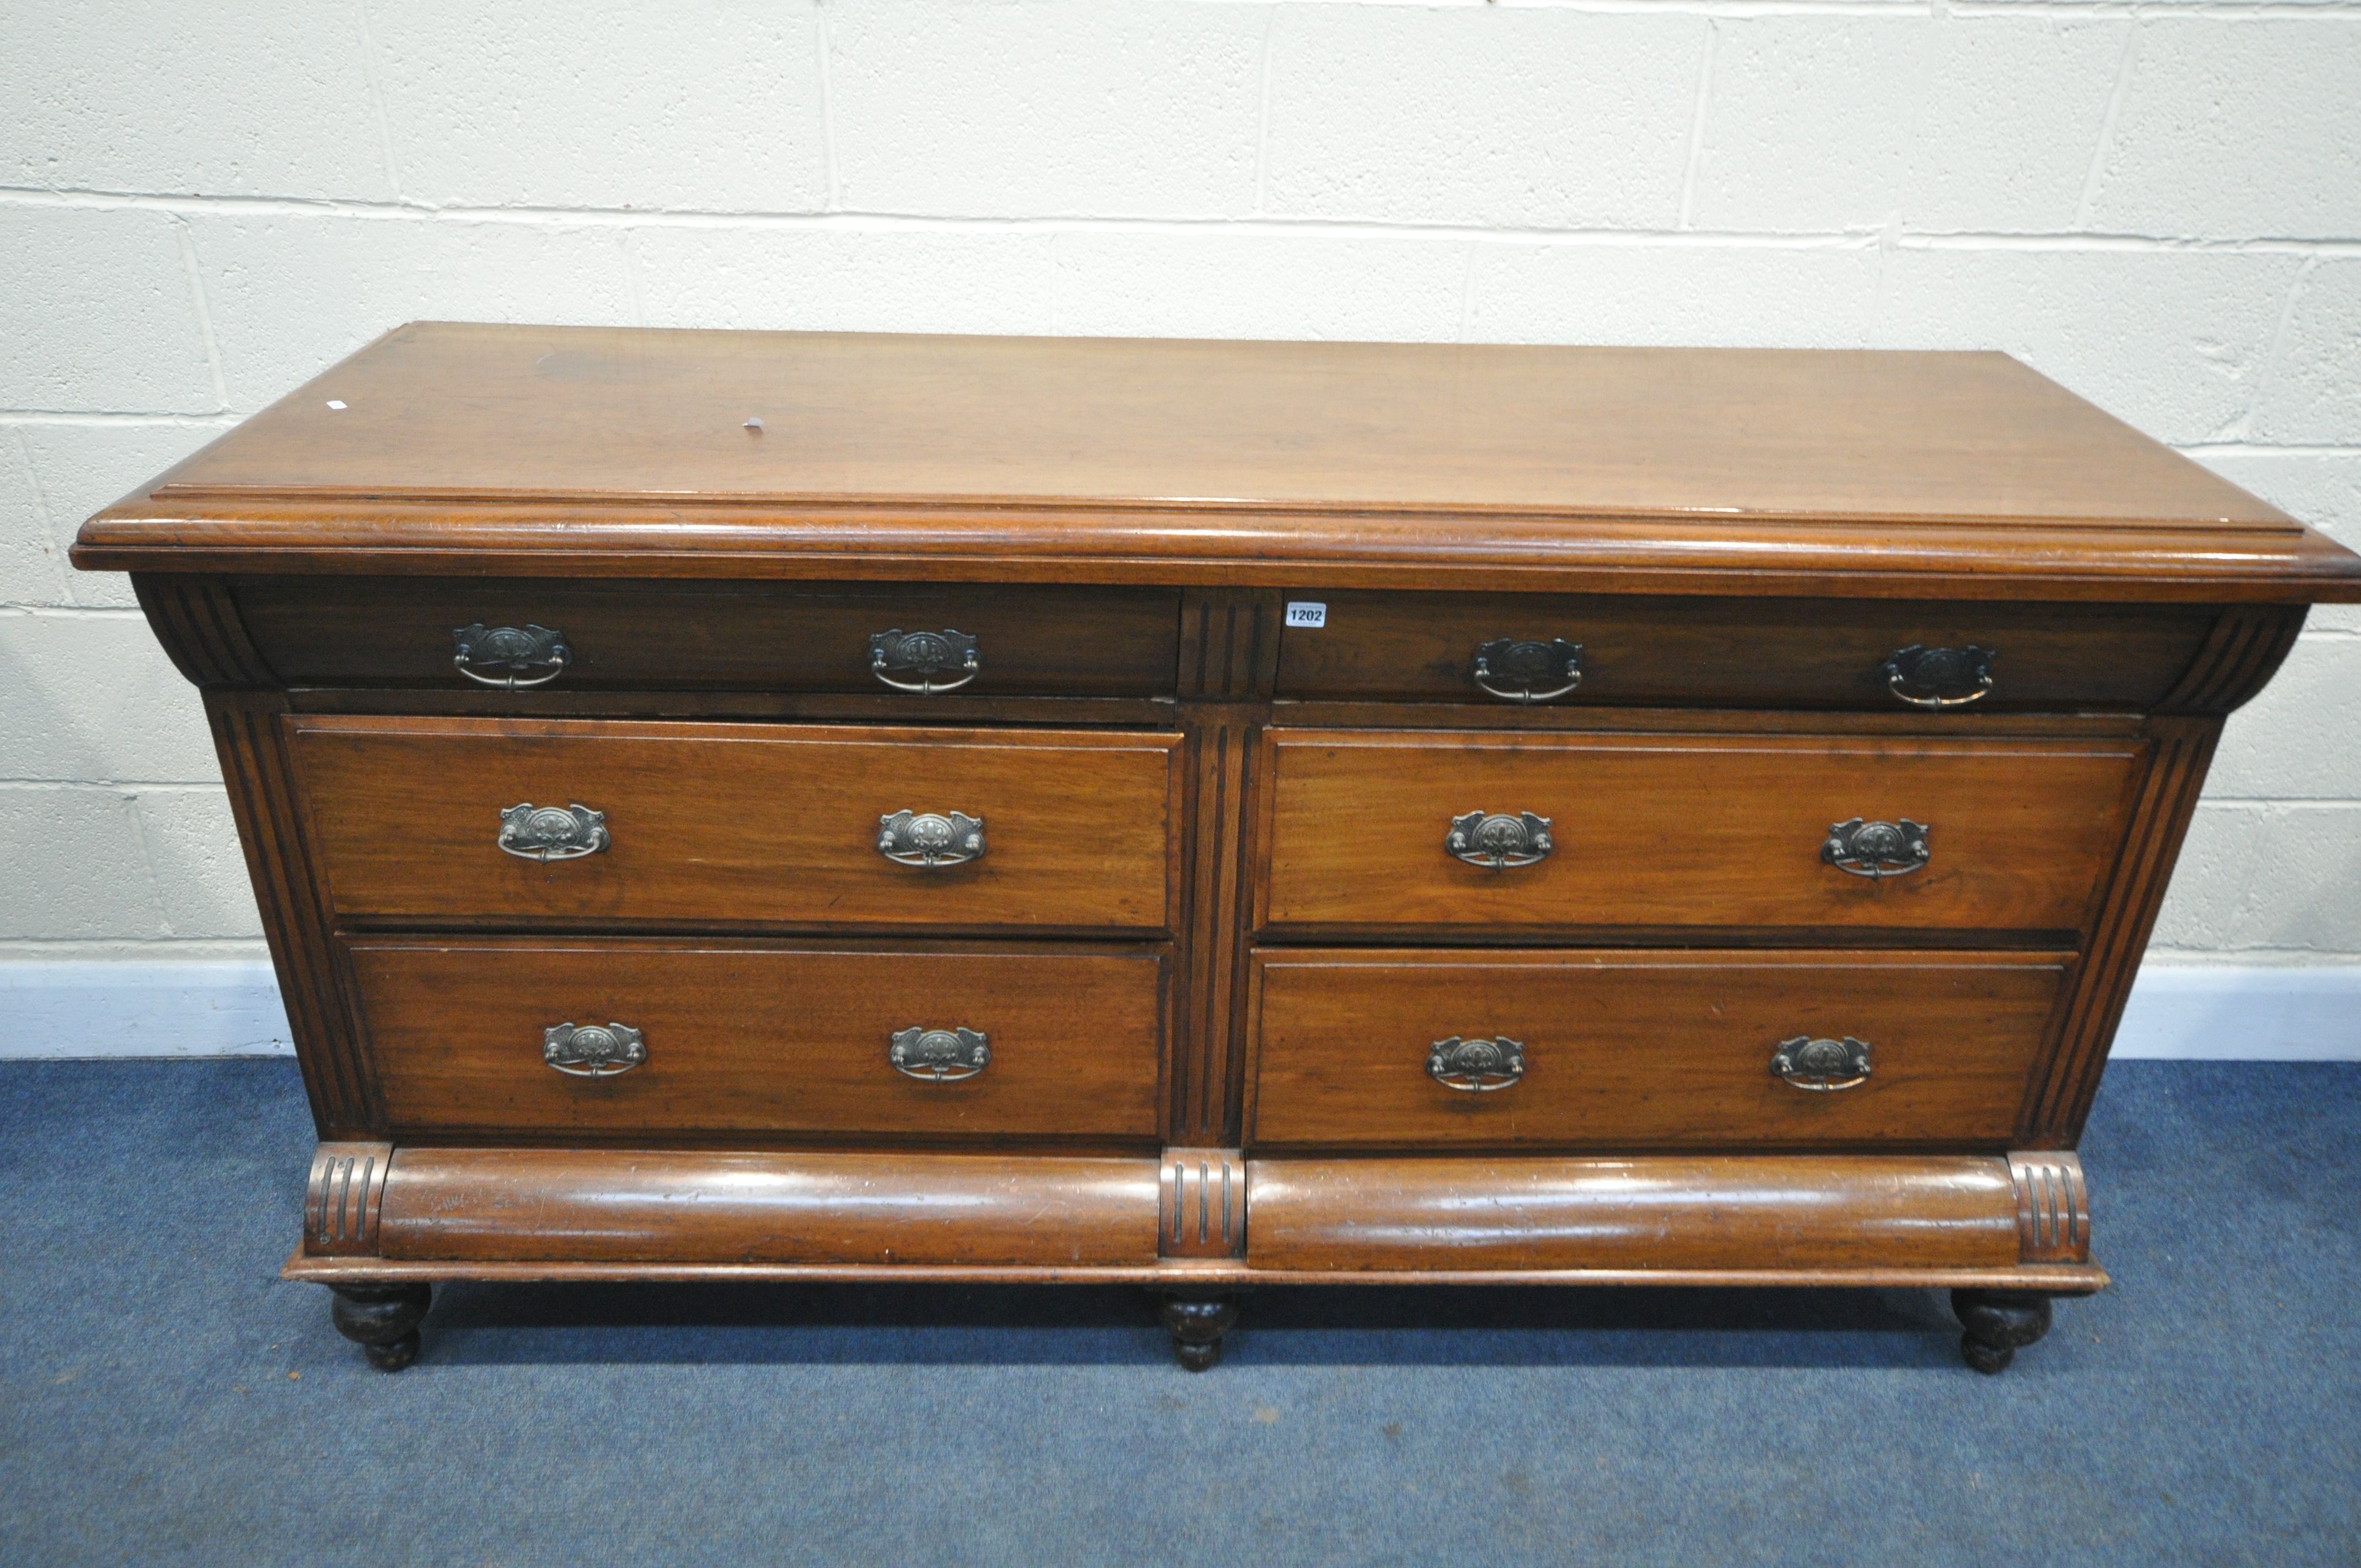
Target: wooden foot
{"points": [[1198, 1323], [382, 1319], [1999, 1324]]}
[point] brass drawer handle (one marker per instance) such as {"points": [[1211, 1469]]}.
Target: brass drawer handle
{"points": [[930, 839], [1877, 849], [545, 833], [1499, 842], [1510, 670], [593, 1050], [1938, 677], [507, 657], [1822, 1065], [1476, 1067], [926, 654], [939, 1056]]}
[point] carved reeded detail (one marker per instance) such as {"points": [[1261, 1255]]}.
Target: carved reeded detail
{"points": [[1938, 677], [2053, 1206], [509, 656], [1229, 644], [248, 737], [1999, 1324], [1822, 1065], [1203, 1206], [1476, 1067], [930, 839], [2057, 1103], [593, 1050], [925, 655], [198, 623], [1207, 1055], [1528, 671], [382, 1319], [342, 1201], [939, 1056], [1498, 841], [1877, 849], [1197, 1324], [546, 833], [2238, 658]]}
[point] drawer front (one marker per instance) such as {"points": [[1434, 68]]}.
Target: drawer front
{"points": [[1729, 652], [1029, 640], [1643, 1049], [739, 823], [1663, 832], [750, 1039]]}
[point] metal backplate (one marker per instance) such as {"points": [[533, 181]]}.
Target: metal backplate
{"points": [[939, 1056], [1499, 841], [1821, 1065], [1476, 1067], [508, 655], [918, 661], [930, 839], [1876, 849], [593, 1050], [533, 832]]}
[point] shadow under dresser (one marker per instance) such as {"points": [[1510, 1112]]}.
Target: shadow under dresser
{"points": [[793, 806]]}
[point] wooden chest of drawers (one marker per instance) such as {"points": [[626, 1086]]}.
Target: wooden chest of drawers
{"points": [[806, 807]]}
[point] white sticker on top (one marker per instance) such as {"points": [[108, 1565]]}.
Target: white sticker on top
{"points": [[1301, 612]]}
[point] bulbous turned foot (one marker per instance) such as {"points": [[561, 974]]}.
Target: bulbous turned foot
{"points": [[382, 1319], [1999, 1324], [1198, 1323]]}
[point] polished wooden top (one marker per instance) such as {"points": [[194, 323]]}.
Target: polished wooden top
{"points": [[618, 451]]}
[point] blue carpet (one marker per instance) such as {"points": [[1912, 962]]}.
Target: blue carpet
{"points": [[164, 1399]]}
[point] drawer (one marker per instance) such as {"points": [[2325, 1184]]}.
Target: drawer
{"points": [[1028, 640], [746, 824], [759, 1040], [1691, 831], [1730, 652], [1643, 1049]]}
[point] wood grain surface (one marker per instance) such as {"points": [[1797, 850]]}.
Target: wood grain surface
{"points": [[1642, 1050], [865, 1209], [1033, 640], [1737, 653], [742, 824], [1718, 1212], [760, 1039], [1691, 831], [474, 450]]}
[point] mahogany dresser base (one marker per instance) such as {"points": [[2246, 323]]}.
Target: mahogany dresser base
{"points": [[798, 808]]}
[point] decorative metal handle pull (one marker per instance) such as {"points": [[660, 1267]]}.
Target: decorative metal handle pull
{"points": [[507, 657], [1877, 849], [545, 833], [1511, 671], [926, 654], [1938, 677], [939, 1056], [930, 841], [1499, 842], [1822, 1065], [1476, 1067], [593, 1050]]}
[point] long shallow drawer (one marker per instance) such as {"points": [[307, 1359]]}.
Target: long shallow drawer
{"points": [[689, 1039], [1365, 829], [739, 823], [1643, 1050], [1028, 640], [1730, 652]]}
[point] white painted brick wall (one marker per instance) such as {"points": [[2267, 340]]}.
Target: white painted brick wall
{"points": [[201, 205]]}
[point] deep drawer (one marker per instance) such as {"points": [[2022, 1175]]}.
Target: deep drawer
{"points": [[744, 824], [1732, 651], [1641, 1049], [1690, 831], [1029, 640], [760, 1039]]}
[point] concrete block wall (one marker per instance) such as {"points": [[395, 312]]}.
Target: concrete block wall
{"points": [[200, 206]]}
